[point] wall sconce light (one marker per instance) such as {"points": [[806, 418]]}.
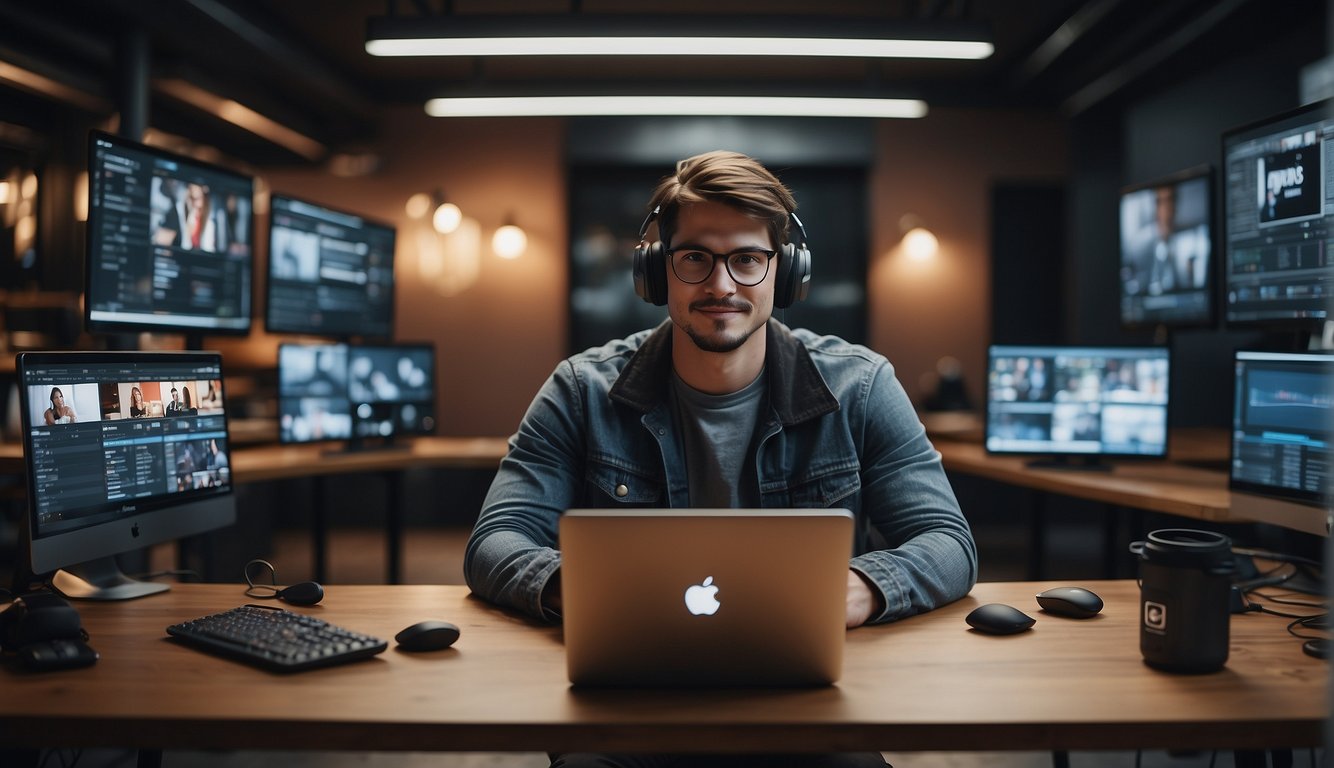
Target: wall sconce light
{"points": [[918, 242], [447, 217], [510, 241]]}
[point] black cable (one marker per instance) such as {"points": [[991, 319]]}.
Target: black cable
{"points": [[1279, 557]]}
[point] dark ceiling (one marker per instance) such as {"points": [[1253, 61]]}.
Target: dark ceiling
{"points": [[303, 64]]}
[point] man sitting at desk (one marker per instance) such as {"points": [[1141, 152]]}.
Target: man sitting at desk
{"points": [[723, 406]]}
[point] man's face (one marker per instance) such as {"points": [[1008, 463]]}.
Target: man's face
{"points": [[719, 314], [175, 396]]}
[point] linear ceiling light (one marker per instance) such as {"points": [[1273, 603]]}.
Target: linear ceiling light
{"points": [[737, 106], [241, 116], [584, 35]]}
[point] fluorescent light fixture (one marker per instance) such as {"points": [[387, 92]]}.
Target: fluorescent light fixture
{"points": [[680, 46], [736, 106], [673, 35], [241, 116]]}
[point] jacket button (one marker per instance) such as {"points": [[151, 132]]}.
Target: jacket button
{"points": [[622, 491]]}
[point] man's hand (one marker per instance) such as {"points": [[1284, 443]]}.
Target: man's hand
{"points": [[863, 602]]}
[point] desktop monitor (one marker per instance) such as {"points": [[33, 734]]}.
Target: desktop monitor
{"points": [[312, 393], [1167, 249], [1070, 401], [392, 390], [169, 242], [1277, 219], [124, 450], [330, 273], [1281, 431]]}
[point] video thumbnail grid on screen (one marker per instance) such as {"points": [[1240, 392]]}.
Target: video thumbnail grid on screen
{"points": [[97, 442], [1077, 401]]}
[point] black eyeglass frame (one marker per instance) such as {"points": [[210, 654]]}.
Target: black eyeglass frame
{"points": [[727, 264]]}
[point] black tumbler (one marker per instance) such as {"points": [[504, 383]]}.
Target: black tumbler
{"points": [[1185, 577]]}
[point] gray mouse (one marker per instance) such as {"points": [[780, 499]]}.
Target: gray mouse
{"points": [[427, 636], [999, 619], [1071, 602]]}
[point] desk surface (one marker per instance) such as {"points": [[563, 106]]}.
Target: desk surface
{"points": [[927, 683], [1156, 486]]}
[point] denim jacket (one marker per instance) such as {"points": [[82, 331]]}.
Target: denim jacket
{"points": [[836, 430]]}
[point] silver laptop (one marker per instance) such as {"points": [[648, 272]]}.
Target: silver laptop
{"points": [[705, 597]]}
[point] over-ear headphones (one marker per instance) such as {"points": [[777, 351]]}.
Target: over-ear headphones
{"points": [[791, 285]]}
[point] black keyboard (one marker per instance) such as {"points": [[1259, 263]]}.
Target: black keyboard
{"points": [[276, 639]]}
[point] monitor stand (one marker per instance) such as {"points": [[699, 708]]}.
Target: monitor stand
{"points": [[1080, 463], [102, 579]]}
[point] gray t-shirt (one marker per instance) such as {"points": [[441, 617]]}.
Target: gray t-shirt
{"points": [[717, 432]]}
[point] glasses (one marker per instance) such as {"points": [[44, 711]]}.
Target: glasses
{"points": [[747, 266]]}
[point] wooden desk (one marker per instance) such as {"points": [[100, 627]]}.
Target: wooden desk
{"points": [[1155, 486], [927, 683]]}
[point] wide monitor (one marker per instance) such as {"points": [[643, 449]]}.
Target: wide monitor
{"points": [[124, 450], [331, 273], [357, 393], [1072, 401], [1167, 251], [1277, 211], [1281, 431], [169, 242]]}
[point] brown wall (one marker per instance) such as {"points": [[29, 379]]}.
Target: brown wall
{"points": [[498, 339]]}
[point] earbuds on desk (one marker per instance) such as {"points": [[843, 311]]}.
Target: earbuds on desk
{"points": [[301, 593]]}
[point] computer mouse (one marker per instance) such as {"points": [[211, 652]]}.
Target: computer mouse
{"points": [[1071, 602], [427, 636], [999, 619]]}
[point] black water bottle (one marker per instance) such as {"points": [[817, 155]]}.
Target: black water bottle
{"points": [[1185, 579]]}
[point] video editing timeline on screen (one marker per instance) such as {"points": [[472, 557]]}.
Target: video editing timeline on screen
{"points": [[124, 438], [1281, 430], [330, 273], [1278, 202], [1077, 400], [169, 240]]}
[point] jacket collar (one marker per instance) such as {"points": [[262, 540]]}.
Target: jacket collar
{"points": [[797, 391]]}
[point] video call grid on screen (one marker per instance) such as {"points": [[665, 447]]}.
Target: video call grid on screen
{"points": [[1167, 250], [1278, 204], [330, 273], [330, 392], [1283, 403], [102, 436], [169, 241], [1103, 401]]}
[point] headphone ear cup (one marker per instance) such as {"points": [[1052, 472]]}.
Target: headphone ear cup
{"points": [[650, 273], [794, 275]]}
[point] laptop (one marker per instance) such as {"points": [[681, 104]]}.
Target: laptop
{"points": [[705, 597]]}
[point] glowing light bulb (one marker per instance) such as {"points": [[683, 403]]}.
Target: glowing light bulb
{"points": [[447, 218], [509, 241]]}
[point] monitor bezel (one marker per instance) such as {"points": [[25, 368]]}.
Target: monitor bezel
{"points": [[277, 328], [1209, 174], [151, 521], [1078, 455], [1313, 499], [94, 217], [1232, 136]]}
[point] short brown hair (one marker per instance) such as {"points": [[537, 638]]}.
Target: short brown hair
{"points": [[724, 177]]}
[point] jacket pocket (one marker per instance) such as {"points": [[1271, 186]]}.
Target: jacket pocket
{"points": [[824, 487], [613, 483]]}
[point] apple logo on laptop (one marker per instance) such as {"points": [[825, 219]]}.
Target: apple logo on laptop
{"points": [[701, 600]]}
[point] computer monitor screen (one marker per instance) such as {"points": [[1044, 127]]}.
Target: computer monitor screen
{"points": [[1166, 251], [1067, 400], [312, 393], [1277, 211], [169, 242], [1281, 430], [330, 273], [124, 450], [392, 389]]}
